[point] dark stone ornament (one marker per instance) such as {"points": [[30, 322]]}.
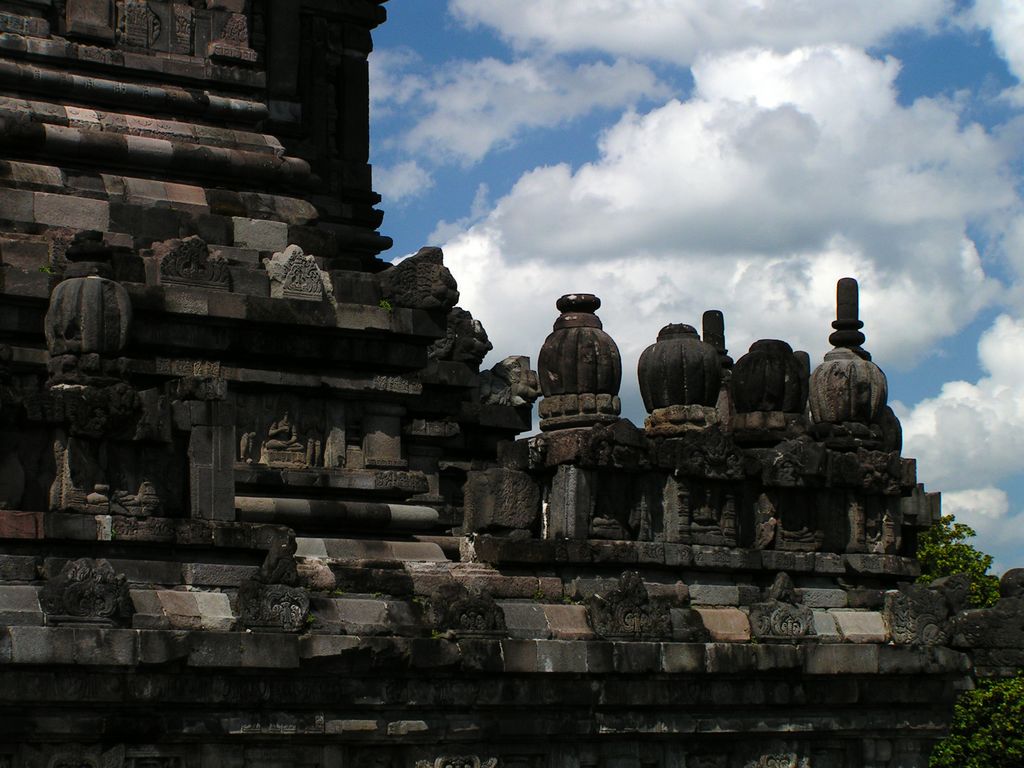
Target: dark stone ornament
{"points": [[273, 600], [916, 615], [465, 341], [847, 387], [628, 613], [188, 262], [465, 612], [579, 368], [89, 316], [781, 617], [458, 761], [770, 377], [680, 376], [510, 382], [273, 606], [87, 592], [421, 282]]}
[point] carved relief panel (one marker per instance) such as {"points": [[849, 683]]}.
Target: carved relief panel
{"points": [[290, 431]]}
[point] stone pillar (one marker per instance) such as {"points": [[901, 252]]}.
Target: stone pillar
{"points": [[570, 503]]}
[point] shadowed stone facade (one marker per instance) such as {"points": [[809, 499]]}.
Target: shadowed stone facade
{"points": [[259, 506]]}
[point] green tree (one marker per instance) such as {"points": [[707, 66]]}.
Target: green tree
{"points": [[988, 728], [943, 550]]}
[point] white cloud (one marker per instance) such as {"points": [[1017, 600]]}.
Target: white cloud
{"points": [[678, 30], [402, 181], [1005, 21], [972, 434], [781, 174], [465, 109], [987, 511]]}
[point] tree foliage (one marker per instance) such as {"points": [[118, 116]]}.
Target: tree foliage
{"points": [[988, 728], [943, 550]]}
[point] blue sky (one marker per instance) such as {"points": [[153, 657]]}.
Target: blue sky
{"points": [[678, 155]]}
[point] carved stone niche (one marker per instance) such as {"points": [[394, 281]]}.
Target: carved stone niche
{"points": [[87, 592], [285, 431], [627, 612], [783, 521], [382, 436], [698, 512]]}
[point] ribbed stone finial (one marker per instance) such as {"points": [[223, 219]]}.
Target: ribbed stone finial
{"points": [[847, 323], [579, 367], [847, 387]]}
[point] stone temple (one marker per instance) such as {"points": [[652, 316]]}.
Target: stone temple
{"points": [[259, 506]]}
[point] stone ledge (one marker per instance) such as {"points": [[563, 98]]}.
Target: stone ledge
{"points": [[497, 550], [95, 646]]}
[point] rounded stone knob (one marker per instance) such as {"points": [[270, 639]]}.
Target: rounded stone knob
{"points": [[679, 369], [579, 367], [770, 377]]}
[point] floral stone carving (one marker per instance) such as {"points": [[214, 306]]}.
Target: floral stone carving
{"points": [[188, 262], [465, 612], [916, 615], [294, 275], [273, 606], [628, 612], [87, 591], [458, 761]]}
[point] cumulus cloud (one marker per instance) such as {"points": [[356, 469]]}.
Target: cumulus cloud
{"points": [[402, 181], [782, 173], [678, 30], [1005, 22], [987, 511], [972, 434], [465, 109]]}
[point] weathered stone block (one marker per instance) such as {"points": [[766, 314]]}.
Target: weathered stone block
{"points": [[841, 660], [19, 605], [816, 597], [501, 500], [316, 646], [561, 656], [270, 651], [861, 626], [568, 622], [682, 657], [260, 234], [161, 647], [825, 626], [525, 620], [520, 655], [728, 625], [108, 647], [635, 658], [214, 611], [707, 593], [70, 211]]}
